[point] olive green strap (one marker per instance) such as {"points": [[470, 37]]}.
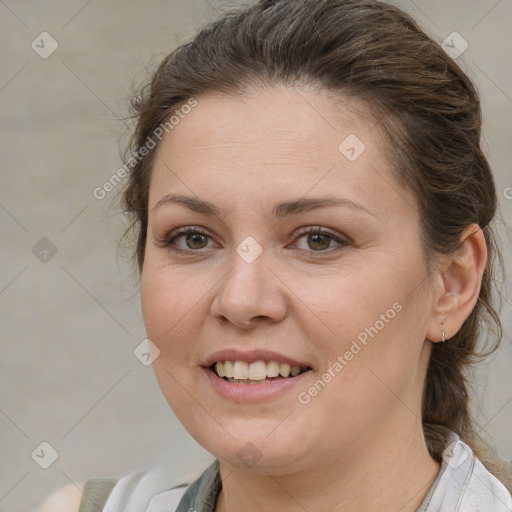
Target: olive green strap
{"points": [[96, 493]]}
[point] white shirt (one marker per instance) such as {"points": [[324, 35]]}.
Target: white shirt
{"points": [[463, 484]]}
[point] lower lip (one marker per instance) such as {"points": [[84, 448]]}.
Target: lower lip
{"points": [[253, 392]]}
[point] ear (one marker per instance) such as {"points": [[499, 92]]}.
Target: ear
{"points": [[457, 285]]}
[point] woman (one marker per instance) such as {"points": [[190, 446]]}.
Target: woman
{"points": [[313, 214]]}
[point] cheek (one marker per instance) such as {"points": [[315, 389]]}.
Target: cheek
{"points": [[351, 306], [169, 309], [168, 298], [368, 325], [154, 301], [166, 308]]}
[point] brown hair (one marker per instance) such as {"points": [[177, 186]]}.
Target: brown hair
{"points": [[426, 107]]}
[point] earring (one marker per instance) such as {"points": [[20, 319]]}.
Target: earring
{"points": [[444, 336]]}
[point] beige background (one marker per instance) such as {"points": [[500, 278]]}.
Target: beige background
{"points": [[68, 375]]}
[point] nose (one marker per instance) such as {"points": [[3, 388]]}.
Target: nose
{"points": [[250, 293]]}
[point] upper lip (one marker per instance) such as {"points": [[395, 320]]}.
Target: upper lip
{"points": [[249, 356]]}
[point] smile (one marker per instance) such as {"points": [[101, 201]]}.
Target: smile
{"points": [[242, 372], [245, 390]]}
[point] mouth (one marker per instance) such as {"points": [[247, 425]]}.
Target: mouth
{"points": [[256, 372]]}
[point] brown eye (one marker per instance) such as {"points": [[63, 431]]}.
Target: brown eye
{"points": [[194, 240], [319, 240]]}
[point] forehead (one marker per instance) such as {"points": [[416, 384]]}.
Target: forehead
{"points": [[268, 140], [275, 116]]}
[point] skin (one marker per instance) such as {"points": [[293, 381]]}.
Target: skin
{"points": [[358, 444]]}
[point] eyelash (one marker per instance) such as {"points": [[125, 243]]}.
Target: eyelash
{"points": [[172, 237]]}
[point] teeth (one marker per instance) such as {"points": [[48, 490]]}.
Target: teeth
{"points": [[255, 371], [220, 369], [295, 370], [228, 369], [240, 370], [272, 369], [244, 381], [258, 370], [284, 369]]}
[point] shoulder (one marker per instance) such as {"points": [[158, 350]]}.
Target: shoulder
{"points": [[465, 484], [66, 499], [485, 492], [157, 489], [139, 491], [88, 496]]}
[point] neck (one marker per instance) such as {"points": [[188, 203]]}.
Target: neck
{"points": [[377, 472]]}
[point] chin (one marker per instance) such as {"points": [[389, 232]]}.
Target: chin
{"points": [[256, 452]]}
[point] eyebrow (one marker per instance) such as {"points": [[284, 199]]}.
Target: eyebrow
{"points": [[280, 210]]}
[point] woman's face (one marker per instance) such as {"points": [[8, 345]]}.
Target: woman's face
{"points": [[274, 274]]}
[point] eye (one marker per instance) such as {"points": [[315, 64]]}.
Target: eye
{"points": [[193, 240], [319, 239]]}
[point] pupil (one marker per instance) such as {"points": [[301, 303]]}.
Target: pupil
{"points": [[194, 237], [317, 240]]}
